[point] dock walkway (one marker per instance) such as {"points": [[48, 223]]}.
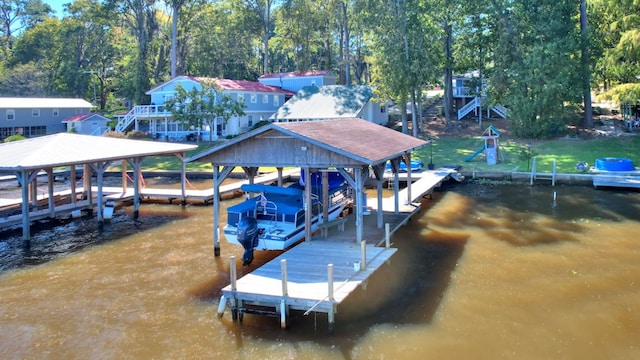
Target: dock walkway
{"points": [[318, 275], [300, 279]]}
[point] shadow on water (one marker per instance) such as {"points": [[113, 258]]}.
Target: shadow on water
{"points": [[59, 237], [538, 215], [406, 291]]}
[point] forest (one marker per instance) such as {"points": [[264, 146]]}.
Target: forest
{"points": [[543, 59]]}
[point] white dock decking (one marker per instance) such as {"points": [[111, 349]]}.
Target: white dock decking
{"points": [[312, 276], [620, 181], [319, 275]]}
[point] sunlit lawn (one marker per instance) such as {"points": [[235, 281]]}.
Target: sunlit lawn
{"points": [[566, 152], [454, 151]]}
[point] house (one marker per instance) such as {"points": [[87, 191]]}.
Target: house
{"points": [[295, 81], [261, 102], [87, 124], [469, 94], [333, 102], [37, 116]]}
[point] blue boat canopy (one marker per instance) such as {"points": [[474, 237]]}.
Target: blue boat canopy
{"points": [[269, 189]]}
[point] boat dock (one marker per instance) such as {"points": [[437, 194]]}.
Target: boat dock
{"points": [[10, 214], [300, 279], [318, 275], [620, 181]]}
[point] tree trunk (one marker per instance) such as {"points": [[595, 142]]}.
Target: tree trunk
{"points": [[448, 73], [586, 73]]}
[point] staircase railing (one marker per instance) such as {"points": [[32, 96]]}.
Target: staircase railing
{"points": [[469, 107], [500, 110], [125, 121], [140, 111]]}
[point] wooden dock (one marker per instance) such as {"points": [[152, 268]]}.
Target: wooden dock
{"points": [[313, 276], [318, 275], [619, 181]]}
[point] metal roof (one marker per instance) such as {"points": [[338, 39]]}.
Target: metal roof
{"points": [[65, 149], [298, 74], [326, 102], [43, 103], [227, 84], [326, 143]]}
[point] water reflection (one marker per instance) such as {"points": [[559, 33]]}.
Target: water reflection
{"points": [[482, 272]]}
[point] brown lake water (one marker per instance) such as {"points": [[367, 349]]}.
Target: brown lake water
{"points": [[483, 272]]}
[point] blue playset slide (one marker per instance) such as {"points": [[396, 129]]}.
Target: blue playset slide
{"points": [[474, 154]]}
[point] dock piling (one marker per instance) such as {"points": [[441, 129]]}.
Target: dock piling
{"points": [[283, 268], [387, 235], [363, 255]]}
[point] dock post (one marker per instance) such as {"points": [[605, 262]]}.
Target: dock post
{"points": [[285, 292], [330, 280], [232, 273], [387, 231], [363, 254], [221, 306], [232, 278], [283, 267]]}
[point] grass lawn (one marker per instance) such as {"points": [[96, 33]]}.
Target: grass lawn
{"points": [[454, 151], [567, 152]]}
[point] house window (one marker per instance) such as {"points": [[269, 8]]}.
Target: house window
{"points": [[250, 121], [254, 98], [36, 130], [240, 97], [265, 99], [35, 112], [11, 114], [55, 112], [382, 108], [276, 100]]}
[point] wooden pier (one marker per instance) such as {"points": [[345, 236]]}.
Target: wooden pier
{"points": [[313, 276], [318, 275], [619, 181]]}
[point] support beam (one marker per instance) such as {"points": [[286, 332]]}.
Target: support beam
{"points": [[136, 163], [378, 171], [51, 199], [307, 204], [218, 178]]}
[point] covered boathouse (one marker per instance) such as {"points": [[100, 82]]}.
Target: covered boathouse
{"points": [[94, 154], [354, 147]]}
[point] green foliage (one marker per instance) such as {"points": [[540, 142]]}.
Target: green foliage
{"points": [[260, 124], [14, 138], [624, 93], [137, 135]]}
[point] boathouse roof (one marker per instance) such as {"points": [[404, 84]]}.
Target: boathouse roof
{"points": [[66, 149], [321, 144]]}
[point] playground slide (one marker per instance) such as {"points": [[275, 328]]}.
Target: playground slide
{"points": [[474, 154]]}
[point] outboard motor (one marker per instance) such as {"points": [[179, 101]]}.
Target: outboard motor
{"points": [[248, 238]]}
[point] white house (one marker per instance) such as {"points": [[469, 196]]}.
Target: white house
{"points": [[261, 102]]}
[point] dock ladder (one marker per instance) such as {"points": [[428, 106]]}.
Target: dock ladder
{"points": [[543, 176]]}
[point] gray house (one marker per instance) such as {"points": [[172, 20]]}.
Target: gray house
{"points": [[87, 124], [38, 116]]}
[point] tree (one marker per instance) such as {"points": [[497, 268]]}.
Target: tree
{"points": [[263, 9], [202, 106], [536, 57], [19, 15], [140, 17], [584, 61]]}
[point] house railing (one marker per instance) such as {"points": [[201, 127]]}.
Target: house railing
{"points": [[138, 112]]}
